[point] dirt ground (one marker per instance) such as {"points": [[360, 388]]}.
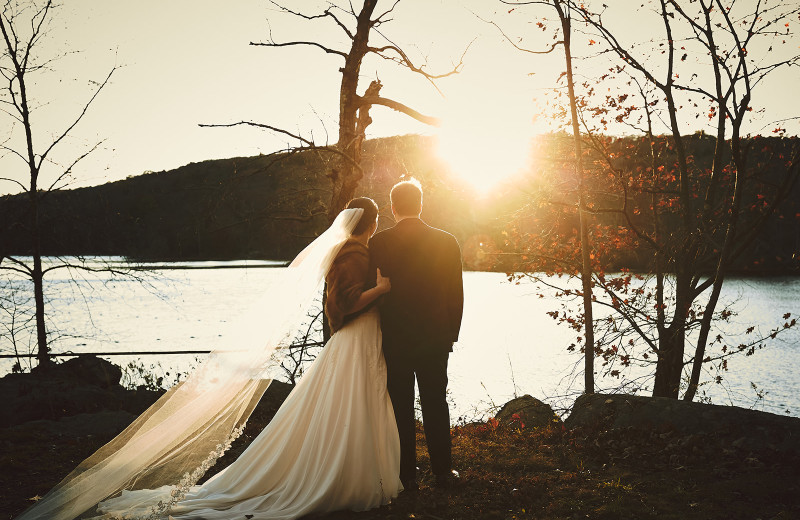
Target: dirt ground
{"points": [[508, 472]]}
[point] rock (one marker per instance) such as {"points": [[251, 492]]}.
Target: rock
{"points": [[532, 412], [86, 369], [82, 385], [85, 386], [743, 429]]}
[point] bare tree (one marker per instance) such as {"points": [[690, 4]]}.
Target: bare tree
{"points": [[358, 28], [564, 10], [354, 108], [24, 26], [657, 197], [304, 347], [718, 227], [16, 322], [700, 219]]}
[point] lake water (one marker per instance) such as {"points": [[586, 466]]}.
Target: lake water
{"points": [[508, 344]]}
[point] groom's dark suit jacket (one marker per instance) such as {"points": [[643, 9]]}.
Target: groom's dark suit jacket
{"points": [[424, 307]]}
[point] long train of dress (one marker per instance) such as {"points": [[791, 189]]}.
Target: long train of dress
{"points": [[332, 445]]}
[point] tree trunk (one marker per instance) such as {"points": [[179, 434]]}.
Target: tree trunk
{"points": [[670, 362], [37, 277], [346, 177], [702, 340], [586, 266], [43, 352], [724, 253]]}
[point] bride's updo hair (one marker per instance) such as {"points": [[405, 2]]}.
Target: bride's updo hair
{"points": [[369, 216]]}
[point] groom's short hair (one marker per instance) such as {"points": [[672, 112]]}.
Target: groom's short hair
{"points": [[369, 216], [406, 197]]}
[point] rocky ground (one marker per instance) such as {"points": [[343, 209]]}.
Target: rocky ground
{"points": [[615, 457]]}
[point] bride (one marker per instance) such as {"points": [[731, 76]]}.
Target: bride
{"points": [[332, 445]]}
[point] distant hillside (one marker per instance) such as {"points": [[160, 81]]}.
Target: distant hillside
{"points": [[246, 207], [270, 207]]}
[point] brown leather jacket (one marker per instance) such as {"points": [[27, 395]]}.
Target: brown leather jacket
{"points": [[346, 280]]}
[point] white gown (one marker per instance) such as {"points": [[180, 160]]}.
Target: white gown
{"points": [[332, 445]]}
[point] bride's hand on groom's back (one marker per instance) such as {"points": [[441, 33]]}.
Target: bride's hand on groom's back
{"points": [[382, 283]]}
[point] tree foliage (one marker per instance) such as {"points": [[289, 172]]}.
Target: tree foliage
{"points": [[692, 220]]}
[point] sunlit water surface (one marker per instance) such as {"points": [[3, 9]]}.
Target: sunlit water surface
{"points": [[509, 345]]}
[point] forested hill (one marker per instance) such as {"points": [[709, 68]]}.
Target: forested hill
{"points": [[270, 207], [247, 207]]}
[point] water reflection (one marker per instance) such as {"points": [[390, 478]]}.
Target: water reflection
{"points": [[508, 344]]}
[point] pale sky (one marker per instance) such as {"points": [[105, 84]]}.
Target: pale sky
{"points": [[184, 62]]}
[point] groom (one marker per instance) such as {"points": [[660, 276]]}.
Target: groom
{"points": [[420, 319]]}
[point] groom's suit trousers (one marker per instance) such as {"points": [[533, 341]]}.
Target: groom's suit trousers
{"points": [[430, 368]]}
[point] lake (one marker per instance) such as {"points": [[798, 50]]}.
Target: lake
{"points": [[509, 345]]}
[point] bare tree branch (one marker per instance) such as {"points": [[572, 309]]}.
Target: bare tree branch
{"points": [[326, 13], [404, 60], [310, 145], [515, 45], [379, 20], [68, 170], [55, 142], [25, 188], [22, 265], [289, 44], [400, 107]]}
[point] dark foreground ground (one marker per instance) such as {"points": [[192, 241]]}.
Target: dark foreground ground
{"points": [[511, 472], [617, 456]]}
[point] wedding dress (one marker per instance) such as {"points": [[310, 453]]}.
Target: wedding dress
{"points": [[332, 445]]}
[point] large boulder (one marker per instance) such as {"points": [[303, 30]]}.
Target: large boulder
{"points": [[82, 385], [86, 369], [748, 429], [531, 411], [86, 386]]}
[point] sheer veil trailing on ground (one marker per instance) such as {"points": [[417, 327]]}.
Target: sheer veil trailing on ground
{"points": [[179, 437]]}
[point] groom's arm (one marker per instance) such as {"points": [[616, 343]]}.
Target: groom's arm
{"points": [[455, 296]]}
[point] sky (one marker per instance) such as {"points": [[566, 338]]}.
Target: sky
{"points": [[180, 63]]}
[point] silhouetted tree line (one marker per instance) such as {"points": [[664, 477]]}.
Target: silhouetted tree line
{"points": [[249, 207], [776, 248], [271, 206]]}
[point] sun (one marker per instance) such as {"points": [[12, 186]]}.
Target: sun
{"points": [[485, 147]]}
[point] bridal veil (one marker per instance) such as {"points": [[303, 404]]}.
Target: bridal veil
{"points": [[180, 436]]}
